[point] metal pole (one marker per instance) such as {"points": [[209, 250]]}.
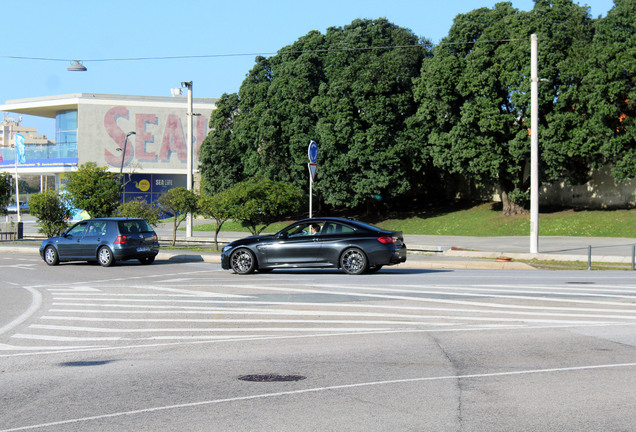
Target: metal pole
{"points": [[121, 168], [189, 152], [17, 188], [311, 183], [633, 257], [534, 146], [589, 257], [123, 155]]}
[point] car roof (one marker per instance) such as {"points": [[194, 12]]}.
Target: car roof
{"points": [[116, 219], [349, 221]]}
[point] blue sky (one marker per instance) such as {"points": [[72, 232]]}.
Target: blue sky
{"points": [[91, 31]]}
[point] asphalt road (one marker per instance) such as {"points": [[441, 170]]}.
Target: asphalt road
{"points": [[165, 347]]}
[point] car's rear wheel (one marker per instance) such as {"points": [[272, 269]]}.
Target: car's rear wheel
{"points": [[243, 261], [353, 261], [50, 256], [105, 257], [147, 260]]}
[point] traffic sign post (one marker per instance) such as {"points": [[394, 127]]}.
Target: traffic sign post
{"points": [[312, 152]]}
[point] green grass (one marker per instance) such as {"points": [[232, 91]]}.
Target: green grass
{"points": [[486, 220]]}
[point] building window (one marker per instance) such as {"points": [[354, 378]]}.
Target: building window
{"points": [[66, 134]]}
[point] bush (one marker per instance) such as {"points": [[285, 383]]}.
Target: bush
{"points": [[140, 209], [51, 211]]}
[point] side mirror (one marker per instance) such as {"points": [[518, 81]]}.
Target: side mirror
{"points": [[281, 235]]}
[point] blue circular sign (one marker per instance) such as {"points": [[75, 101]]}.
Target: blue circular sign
{"points": [[313, 151]]}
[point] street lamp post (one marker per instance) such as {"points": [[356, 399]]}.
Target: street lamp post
{"points": [[123, 155], [190, 115], [534, 146]]}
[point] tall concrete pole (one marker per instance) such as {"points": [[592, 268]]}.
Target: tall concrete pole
{"points": [[534, 146], [189, 152]]}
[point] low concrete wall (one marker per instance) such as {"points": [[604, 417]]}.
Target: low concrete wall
{"points": [[11, 230], [602, 191]]}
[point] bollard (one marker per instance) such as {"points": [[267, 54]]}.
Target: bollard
{"points": [[589, 257], [633, 256]]}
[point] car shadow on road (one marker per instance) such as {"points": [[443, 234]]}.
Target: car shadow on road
{"points": [[392, 271]]}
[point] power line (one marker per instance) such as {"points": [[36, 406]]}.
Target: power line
{"points": [[325, 50]]}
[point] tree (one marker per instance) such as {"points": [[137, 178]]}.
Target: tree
{"points": [[363, 107], [344, 89], [217, 207], [51, 211], [474, 93], [258, 202], [94, 189], [140, 209], [220, 156], [5, 191], [177, 202], [601, 113]]}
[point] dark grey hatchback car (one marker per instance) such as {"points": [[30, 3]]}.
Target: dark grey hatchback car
{"points": [[104, 240]]}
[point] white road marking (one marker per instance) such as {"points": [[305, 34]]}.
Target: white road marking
{"points": [[323, 389], [7, 347], [19, 266], [36, 302], [485, 309]]}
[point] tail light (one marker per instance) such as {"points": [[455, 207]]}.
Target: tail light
{"points": [[122, 239], [387, 240], [155, 239]]}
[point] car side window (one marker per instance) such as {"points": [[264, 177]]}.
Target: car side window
{"points": [[297, 231], [337, 228], [77, 229], [96, 228], [304, 229]]}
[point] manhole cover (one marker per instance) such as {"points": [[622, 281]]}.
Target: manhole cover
{"points": [[271, 378]]}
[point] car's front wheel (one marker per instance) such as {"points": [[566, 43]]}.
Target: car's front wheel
{"points": [[50, 256], [353, 261], [105, 257], [242, 261]]}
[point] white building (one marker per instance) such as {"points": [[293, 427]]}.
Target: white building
{"points": [[94, 128]]}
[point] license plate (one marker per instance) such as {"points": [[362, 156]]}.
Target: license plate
{"points": [[143, 249]]}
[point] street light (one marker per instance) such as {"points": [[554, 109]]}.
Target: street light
{"points": [[76, 67], [190, 115], [123, 155]]}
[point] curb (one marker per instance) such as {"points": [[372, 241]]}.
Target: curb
{"points": [[415, 261]]}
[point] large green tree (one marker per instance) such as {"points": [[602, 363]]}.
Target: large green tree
{"points": [[220, 154], [474, 94], [394, 121], [94, 189], [595, 124], [350, 90], [363, 108]]}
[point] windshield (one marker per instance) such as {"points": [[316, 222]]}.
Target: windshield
{"points": [[135, 226]]}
